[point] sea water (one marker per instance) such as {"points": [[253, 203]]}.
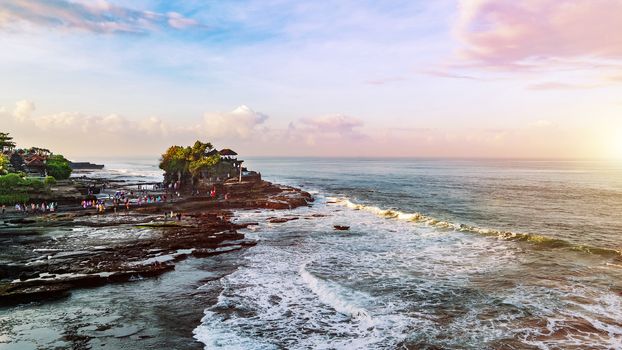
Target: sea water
{"points": [[467, 254]]}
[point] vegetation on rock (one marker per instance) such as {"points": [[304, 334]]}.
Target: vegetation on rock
{"points": [[16, 188], [58, 167], [184, 164]]}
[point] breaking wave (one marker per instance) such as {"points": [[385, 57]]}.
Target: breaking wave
{"points": [[419, 218], [331, 298]]}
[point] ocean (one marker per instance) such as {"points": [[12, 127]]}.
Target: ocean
{"points": [[464, 254], [440, 254]]}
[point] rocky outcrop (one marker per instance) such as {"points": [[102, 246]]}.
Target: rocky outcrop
{"points": [[85, 166], [48, 269]]}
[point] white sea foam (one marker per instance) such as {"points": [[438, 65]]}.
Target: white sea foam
{"points": [[333, 299], [446, 225], [389, 282]]}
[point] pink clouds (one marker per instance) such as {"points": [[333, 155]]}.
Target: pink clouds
{"points": [[91, 16], [511, 34], [252, 133], [337, 123]]}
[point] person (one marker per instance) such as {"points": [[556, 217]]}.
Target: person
{"points": [[178, 216], [3, 208]]}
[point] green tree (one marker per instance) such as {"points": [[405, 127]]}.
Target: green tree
{"points": [[184, 164], [196, 166], [175, 163], [58, 167], [17, 162], [6, 141], [4, 164]]}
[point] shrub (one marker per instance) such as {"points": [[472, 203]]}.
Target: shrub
{"points": [[58, 167], [10, 181], [11, 199], [16, 184], [4, 164], [49, 180]]}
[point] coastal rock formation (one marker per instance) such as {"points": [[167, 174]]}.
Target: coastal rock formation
{"points": [[136, 244]]}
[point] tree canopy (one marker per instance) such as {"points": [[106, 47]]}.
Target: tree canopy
{"points": [[6, 141], [186, 163], [58, 167]]}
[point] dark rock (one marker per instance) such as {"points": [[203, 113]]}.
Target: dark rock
{"points": [[26, 276], [281, 220], [341, 227]]}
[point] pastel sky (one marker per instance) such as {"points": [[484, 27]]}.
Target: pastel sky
{"points": [[443, 78]]}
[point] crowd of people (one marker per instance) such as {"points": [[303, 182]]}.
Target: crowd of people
{"points": [[34, 208], [121, 199]]}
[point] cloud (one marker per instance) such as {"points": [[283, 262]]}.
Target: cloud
{"points": [[81, 136], [242, 122], [542, 123], [23, 109], [387, 80], [510, 34], [90, 16], [178, 21], [448, 74], [336, 123], [553, 85]]}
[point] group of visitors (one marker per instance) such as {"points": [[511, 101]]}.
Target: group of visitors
{"points": [[33, 208], [151, 199], [94, 203], [122, 199]]}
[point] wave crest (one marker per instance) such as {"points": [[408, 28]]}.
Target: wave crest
{"points": [[419, 218], [332, 299]]}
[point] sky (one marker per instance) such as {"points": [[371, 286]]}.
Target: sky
{"points": [[354, 78]]}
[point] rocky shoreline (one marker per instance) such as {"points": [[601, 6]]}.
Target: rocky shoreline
{"points": [[55, 253]]}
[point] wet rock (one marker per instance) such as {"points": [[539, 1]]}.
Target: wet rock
{"points": [[26, 276], [274, 220], [341, 227], [34, 293], [205, 230]]}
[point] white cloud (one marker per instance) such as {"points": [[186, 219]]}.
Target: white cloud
{"points": [[23, 109], [248, 132], [242, 122], [336, 123]]}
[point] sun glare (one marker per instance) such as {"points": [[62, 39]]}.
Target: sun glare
{"points": [[616, 144]]}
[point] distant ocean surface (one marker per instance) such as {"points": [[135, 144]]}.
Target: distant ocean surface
{"points": [[466, 254]]}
